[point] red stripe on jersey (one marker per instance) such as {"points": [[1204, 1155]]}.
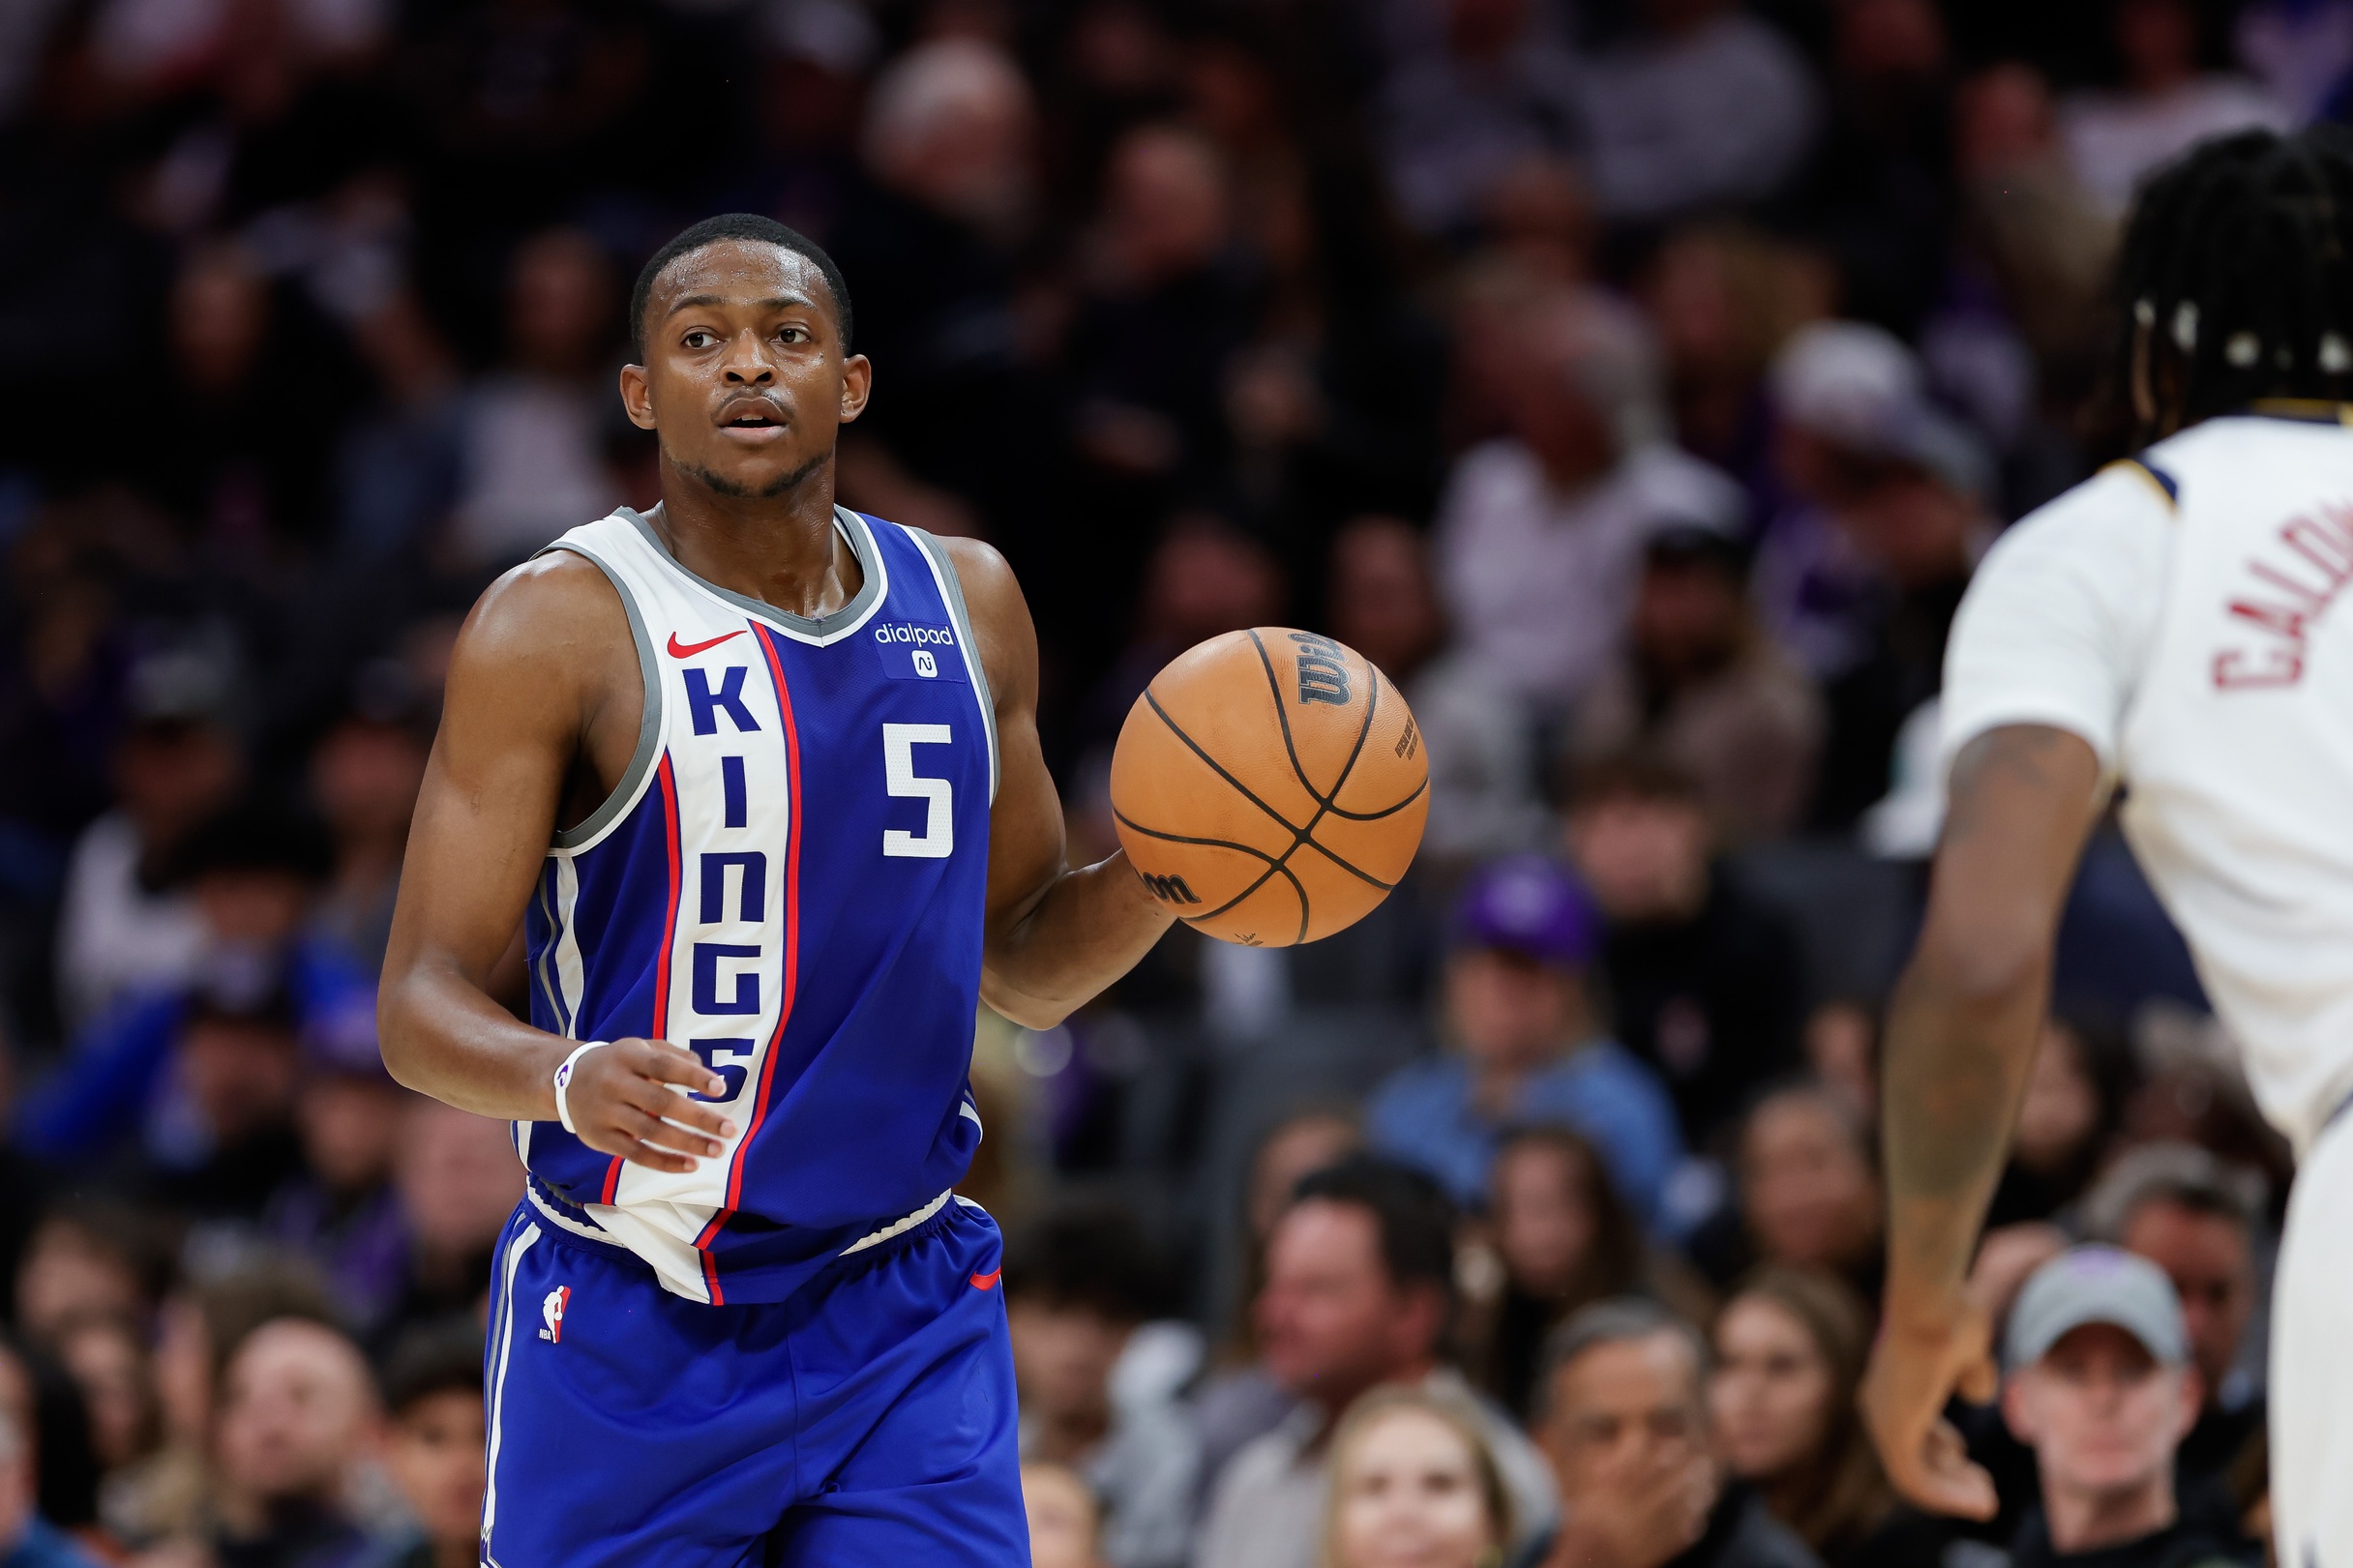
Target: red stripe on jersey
{"points": [[793, 941]]}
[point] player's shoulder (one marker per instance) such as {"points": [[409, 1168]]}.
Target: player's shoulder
{"points": [[545, 609], [2126, 511]]}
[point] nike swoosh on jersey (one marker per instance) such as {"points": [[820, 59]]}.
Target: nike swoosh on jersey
{"points": [[688, 650]]}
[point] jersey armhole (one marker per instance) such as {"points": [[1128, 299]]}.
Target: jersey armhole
{"points": [[632, 781], [951, 590]]}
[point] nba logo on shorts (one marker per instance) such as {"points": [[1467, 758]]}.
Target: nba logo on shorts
{"points": [[553, 1310], [926, 666]]}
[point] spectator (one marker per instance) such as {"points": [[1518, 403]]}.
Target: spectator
{"points": [[1542, 530], [2067, 1125], [1359, 1288], [298, 1413], [125, 928], [2101, 1385], [1703, 980], [340, 1210], [1079, 1283], [1063, 1517], [1527, 1048], [1861, 579], [1700, 686], [1624, 1419], [458, 1181], [1483, 798], [1457, 121], [433, 1394], [2166, 103], [1414, 1482], [2199, 1220], [1701, 105], [1790, 1346], [90, 1259], [397, 469], [26, 1539], [1809, 1194], [1244, 1400], [1561, 1240], [1726, 297], [251, 870], [531, 463], [108, 1359], [934, 241], [364, 773]]}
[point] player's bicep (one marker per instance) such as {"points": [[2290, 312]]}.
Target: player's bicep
{"points": [[1025, 840], [510, 729]]}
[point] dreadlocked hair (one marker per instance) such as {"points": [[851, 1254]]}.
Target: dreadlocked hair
{"points": [[2236, 278]]}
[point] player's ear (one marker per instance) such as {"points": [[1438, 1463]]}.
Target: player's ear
{"points": [[636, 397], [857, 385]]}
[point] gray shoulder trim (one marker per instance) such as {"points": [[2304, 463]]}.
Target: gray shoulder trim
{"points": [[649, 724], [852, 530], [944, 567]]}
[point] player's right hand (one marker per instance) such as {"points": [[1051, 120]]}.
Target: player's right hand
{"points": [[622, 1101], [1923, 1357]]}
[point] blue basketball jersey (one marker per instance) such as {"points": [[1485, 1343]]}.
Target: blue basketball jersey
{"points": [[788, 881]]}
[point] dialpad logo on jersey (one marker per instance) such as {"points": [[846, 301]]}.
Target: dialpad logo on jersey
{"points": [[552, 1312], [918, 651]]}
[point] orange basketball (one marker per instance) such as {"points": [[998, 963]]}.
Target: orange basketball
{"points": [[1270, 786]]}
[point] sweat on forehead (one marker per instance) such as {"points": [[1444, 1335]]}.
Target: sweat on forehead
{"points": [[747, 231]]}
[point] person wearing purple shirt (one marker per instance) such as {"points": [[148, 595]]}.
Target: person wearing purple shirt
{"points": [[1527, 1048]]}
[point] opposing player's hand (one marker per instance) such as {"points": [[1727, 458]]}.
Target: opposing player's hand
{"points": [[1922, 1360], [623, 1101]]}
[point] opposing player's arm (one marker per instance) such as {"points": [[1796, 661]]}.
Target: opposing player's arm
{"points": [[1961, 1034], [1055, 935], [544, 648]]}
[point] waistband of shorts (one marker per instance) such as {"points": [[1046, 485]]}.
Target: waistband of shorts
{"points": [[574, 1224]]}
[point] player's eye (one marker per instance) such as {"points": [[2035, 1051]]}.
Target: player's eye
{"points": [[793, 335], [699, 339]]}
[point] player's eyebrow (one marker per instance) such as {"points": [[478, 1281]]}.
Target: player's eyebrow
{"points": [[689, 302]]}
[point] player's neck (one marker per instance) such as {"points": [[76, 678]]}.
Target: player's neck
{"points": [[781, 549]]}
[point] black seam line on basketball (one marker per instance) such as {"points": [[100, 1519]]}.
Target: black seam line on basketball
{"points": [[1194, 747], [1272, 865], [1323, 803], [1385, 811], [1299, 835], [1276, 689]]}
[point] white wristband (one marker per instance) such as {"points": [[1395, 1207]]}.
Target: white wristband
{"points": [[563, 1082]]}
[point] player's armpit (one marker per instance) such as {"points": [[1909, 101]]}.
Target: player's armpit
{"points": [[1961, 1036], [533, 664], [1055, 936]]}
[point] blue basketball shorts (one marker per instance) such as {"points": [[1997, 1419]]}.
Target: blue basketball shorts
{"points": [[868, 1420]]}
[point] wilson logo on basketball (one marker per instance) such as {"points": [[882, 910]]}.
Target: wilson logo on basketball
{"points": [[1322, 670], [1169, 889]]}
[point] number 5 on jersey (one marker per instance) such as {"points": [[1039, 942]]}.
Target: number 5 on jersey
{"points": [[937, 840]]}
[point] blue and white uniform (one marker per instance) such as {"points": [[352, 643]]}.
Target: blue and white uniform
{"points": [[793, 1353]]}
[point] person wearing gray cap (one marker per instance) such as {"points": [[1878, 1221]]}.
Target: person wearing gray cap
{"points": [[2101, 1385]]}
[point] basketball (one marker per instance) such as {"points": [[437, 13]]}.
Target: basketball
{"points": [[1270, 786]]}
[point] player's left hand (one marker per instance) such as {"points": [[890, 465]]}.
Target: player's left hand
{"points": [[1923, 1357], [623, 1102]]}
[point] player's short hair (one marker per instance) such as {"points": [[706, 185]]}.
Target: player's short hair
{"points": [[2237, 272], [1414, 1217], [734, 226]]}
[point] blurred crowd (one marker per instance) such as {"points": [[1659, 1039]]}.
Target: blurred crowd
{"points": [[1636, 381]]}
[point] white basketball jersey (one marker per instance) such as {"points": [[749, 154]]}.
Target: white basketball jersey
{"points": [[2177, 612]]}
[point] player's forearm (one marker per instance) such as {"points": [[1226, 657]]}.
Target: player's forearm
{"points": [[443, 1035], [1957, 1056], [1089, 927]]}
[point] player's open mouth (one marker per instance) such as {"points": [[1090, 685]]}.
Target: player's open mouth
{"points": [[755, 423]]}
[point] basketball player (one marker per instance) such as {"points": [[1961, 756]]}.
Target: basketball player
{"points": [[2168, 626], [759, 778]]}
